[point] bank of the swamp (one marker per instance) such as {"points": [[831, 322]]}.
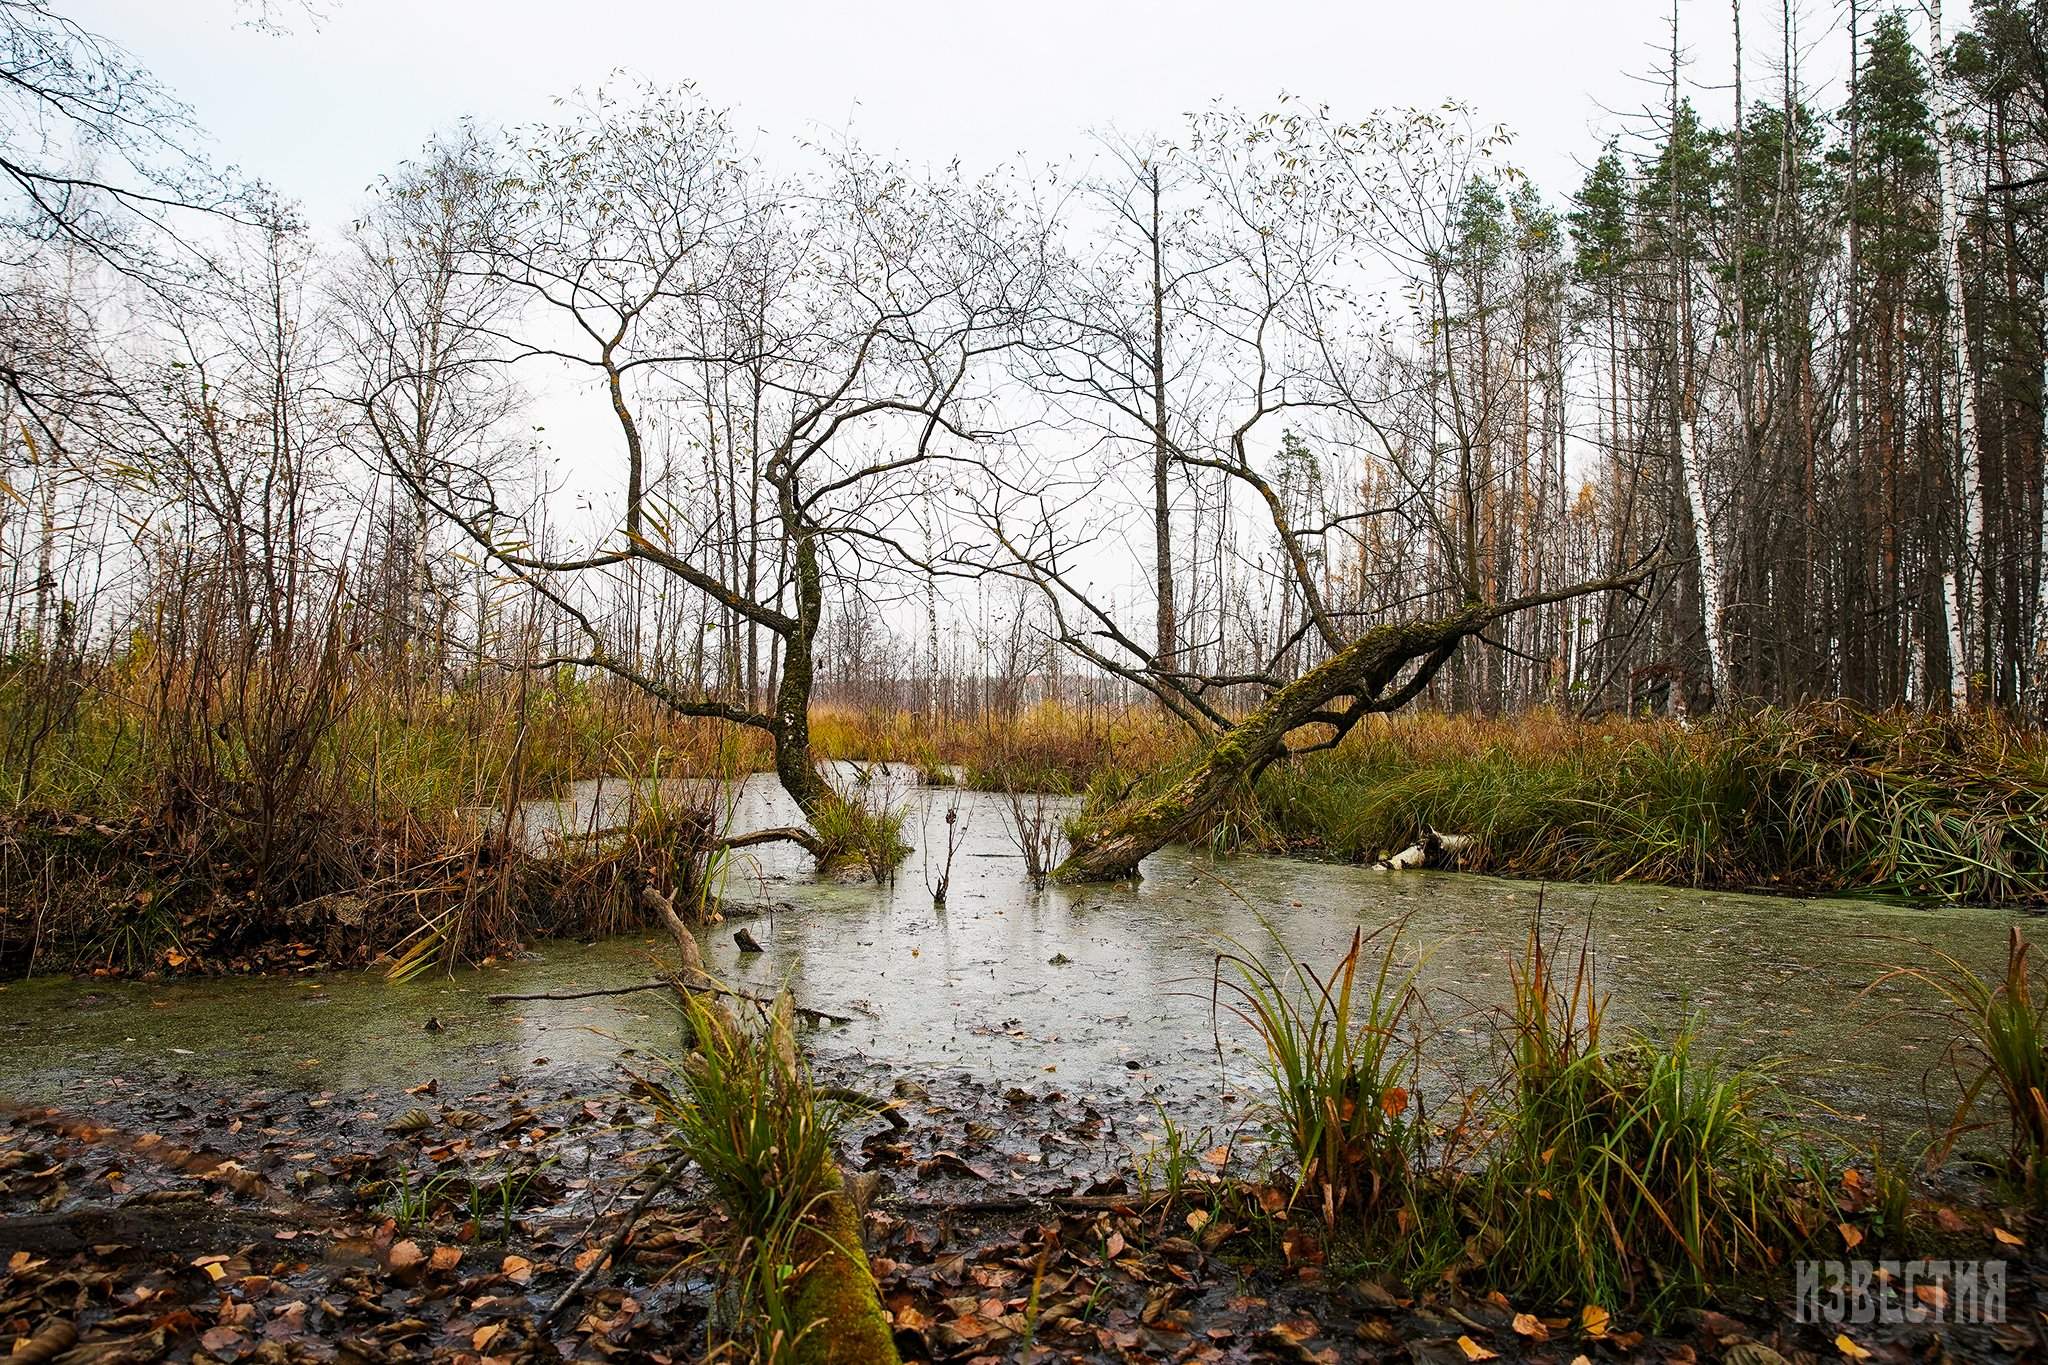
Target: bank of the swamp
{"points": [[1825, 799], [146, 893], [152, 818], [1820, 801], [276, 1225]]}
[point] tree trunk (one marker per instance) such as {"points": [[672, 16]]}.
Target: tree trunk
{"points": [[795, 766], [834, 1293], [1113, 846], [1162, 508], [1961, 598], [835, 1290]]}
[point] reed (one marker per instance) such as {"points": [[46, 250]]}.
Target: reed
{"points": [[1049, 748]]}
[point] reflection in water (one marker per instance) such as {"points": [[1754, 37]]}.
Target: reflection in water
{"points": [[1097, 990]]}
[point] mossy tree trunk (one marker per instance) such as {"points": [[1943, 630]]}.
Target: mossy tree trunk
{"points": [[835, 1289], [833, 1294], [796, 767], [1352, 683]]}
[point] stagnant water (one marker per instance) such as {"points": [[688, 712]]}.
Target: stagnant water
{"points": [[1097, 991]]}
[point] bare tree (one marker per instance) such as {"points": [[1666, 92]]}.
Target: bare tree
{"points": [[790, 367], [1308, 224], [421, 367]]}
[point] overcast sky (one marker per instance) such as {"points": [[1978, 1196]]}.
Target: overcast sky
{"points": [[320, 112]]}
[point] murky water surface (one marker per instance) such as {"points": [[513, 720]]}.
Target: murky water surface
{"points": [[1097, 991]]}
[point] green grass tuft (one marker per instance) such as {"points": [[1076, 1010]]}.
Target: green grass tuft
{"points": [[2003, 1052]]}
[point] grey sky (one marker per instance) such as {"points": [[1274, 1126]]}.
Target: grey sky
{"points": [[321, 113]]}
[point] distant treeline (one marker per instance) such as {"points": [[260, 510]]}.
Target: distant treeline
{"points": [[1753, 416]]}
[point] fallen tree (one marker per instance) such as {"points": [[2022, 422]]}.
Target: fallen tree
{"points": [[1254, 375], [745, 1110], [1362, 678]]}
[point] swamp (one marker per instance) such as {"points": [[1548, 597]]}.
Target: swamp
{"points": [[1321, 733]]}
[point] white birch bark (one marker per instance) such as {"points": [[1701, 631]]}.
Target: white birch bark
{"points": [[1710, 555], [1959, 582]]}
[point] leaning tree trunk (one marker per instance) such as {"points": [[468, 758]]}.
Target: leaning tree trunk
{"points": [[1112, 846]]}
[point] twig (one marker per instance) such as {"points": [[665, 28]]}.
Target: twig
{"points": [[815, 1016], [582, 995], [1024, 1204], [611, 1247], [886, 1109]]}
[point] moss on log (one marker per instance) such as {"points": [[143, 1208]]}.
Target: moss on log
{"points": [[835, 1291], [1111, 847]]}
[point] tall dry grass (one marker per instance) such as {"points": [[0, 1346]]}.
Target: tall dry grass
{"points": [[1051, 748]]}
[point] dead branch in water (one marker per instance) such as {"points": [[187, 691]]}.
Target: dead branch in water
{"points": [[815, 1016]]}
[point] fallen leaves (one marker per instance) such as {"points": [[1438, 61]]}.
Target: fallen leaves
{"points": [[406, 1262], [226, 1342], [411, 1121], [1121, 1278]]}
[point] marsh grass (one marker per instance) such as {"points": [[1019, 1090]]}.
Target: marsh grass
{"points": [[1634, 1170], [860, 829], [743, 1109], [1049, 748], [1825, 798], [2002, 1054], [1622, 1172], [1342, 1057]]}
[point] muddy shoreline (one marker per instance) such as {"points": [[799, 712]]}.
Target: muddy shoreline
{"points": [[168, 1215]]}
